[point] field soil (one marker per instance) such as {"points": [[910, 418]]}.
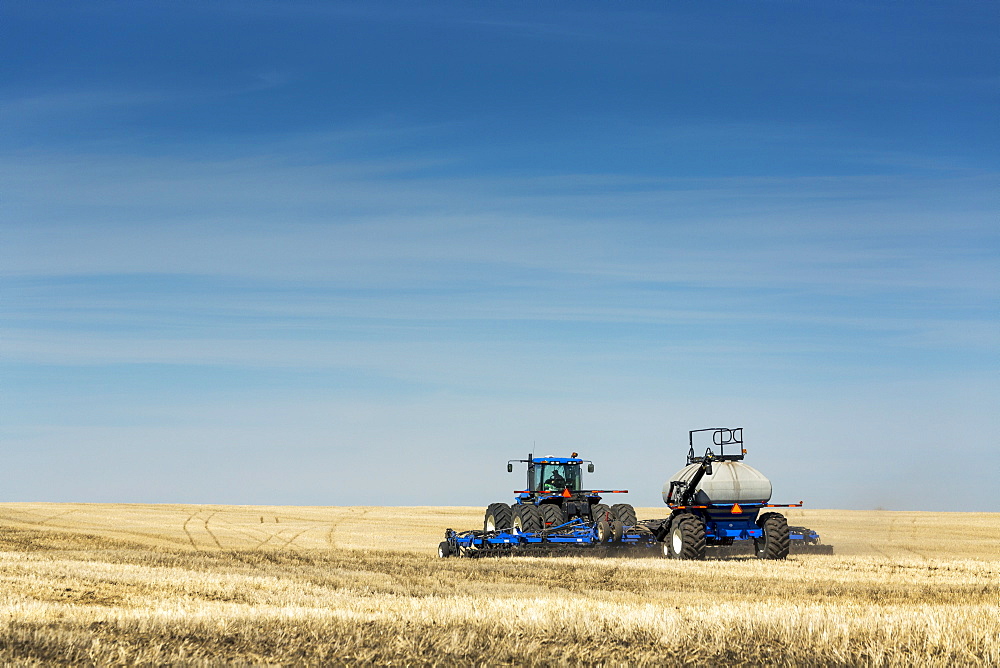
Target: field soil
{"points": [[153, 584]]}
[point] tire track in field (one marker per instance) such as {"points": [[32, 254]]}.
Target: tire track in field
{"points": [[251, 533], [329, 537], [88, 525], [209, 531], [288, 543], [252, 536], [262, 536], [919, 554], [57, 516], [881, 552], [897, 543], [188, 531], [269, 538], [913, 538], [332, 530], [32, 519]]}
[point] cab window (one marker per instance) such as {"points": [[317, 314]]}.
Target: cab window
{"points": [[556, 477]]}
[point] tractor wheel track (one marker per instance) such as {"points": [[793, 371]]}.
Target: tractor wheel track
{"points": [[210, 532], [296, 548], [329, 537], [188, 531], [269, 538], [211, 521], [57, 516]]}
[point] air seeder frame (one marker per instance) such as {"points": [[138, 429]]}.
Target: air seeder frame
{"points": [[602, 536]]}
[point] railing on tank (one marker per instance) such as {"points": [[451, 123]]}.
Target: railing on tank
{"points": [[722, 437]]}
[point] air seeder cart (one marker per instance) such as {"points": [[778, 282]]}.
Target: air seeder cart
{"points": [[718, 503]]}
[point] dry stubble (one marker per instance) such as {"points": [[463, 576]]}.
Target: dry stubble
{"points": [[167, 584]]}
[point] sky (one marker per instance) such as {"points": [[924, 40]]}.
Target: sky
{"points": [[356, 253]]}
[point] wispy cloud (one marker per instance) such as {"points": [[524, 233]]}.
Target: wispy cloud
{"points": [[253, 240], [450, 301], [68, 103], [258, 216]]}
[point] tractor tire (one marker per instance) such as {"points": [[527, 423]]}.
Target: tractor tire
{"points": [[686, 538], [444, 550], [498, 516], [625, 513], [527, 518], [552, 515], [599, 512], [775, 543]]}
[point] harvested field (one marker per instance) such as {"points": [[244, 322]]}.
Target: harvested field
{"points": [[123, 584]]}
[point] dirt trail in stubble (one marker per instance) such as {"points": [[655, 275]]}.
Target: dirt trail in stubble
{"points": [[215, 528], [201, 528]]}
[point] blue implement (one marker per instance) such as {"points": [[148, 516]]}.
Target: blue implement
{"points": [[570, 536]]}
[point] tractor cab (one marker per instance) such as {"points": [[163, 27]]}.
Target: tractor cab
{"points": [[553, 474], [555, 495]]}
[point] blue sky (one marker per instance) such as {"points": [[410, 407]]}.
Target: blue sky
{"points": [[364, 253]]}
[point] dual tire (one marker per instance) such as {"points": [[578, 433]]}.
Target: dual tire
{"points": [[551, 514], [625, 514], [526, 518], [498, 516], [600, 512], [523, 517]]}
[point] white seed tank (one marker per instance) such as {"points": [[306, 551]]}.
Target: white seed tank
{"points": [[730, 482]]}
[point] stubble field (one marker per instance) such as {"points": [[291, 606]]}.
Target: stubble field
{"points": [[134, 584]]}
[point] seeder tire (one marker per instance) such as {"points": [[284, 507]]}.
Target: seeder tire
{"points": [[552, 515], [625, 513], [617, 531], [498, 516], [665, 549], [775, 543], [604, 532], [444, 550], [527, 518], [686, 538]]}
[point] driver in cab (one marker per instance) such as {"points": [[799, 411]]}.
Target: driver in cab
{"points": [[555, 482]]}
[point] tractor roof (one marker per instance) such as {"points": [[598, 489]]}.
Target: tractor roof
{"points": [[556, 460]]}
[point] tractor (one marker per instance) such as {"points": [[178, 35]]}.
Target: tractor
{"points": [[553, 496]]}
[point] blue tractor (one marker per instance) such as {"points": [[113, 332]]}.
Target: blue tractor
{"points": [[553, 496]]}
